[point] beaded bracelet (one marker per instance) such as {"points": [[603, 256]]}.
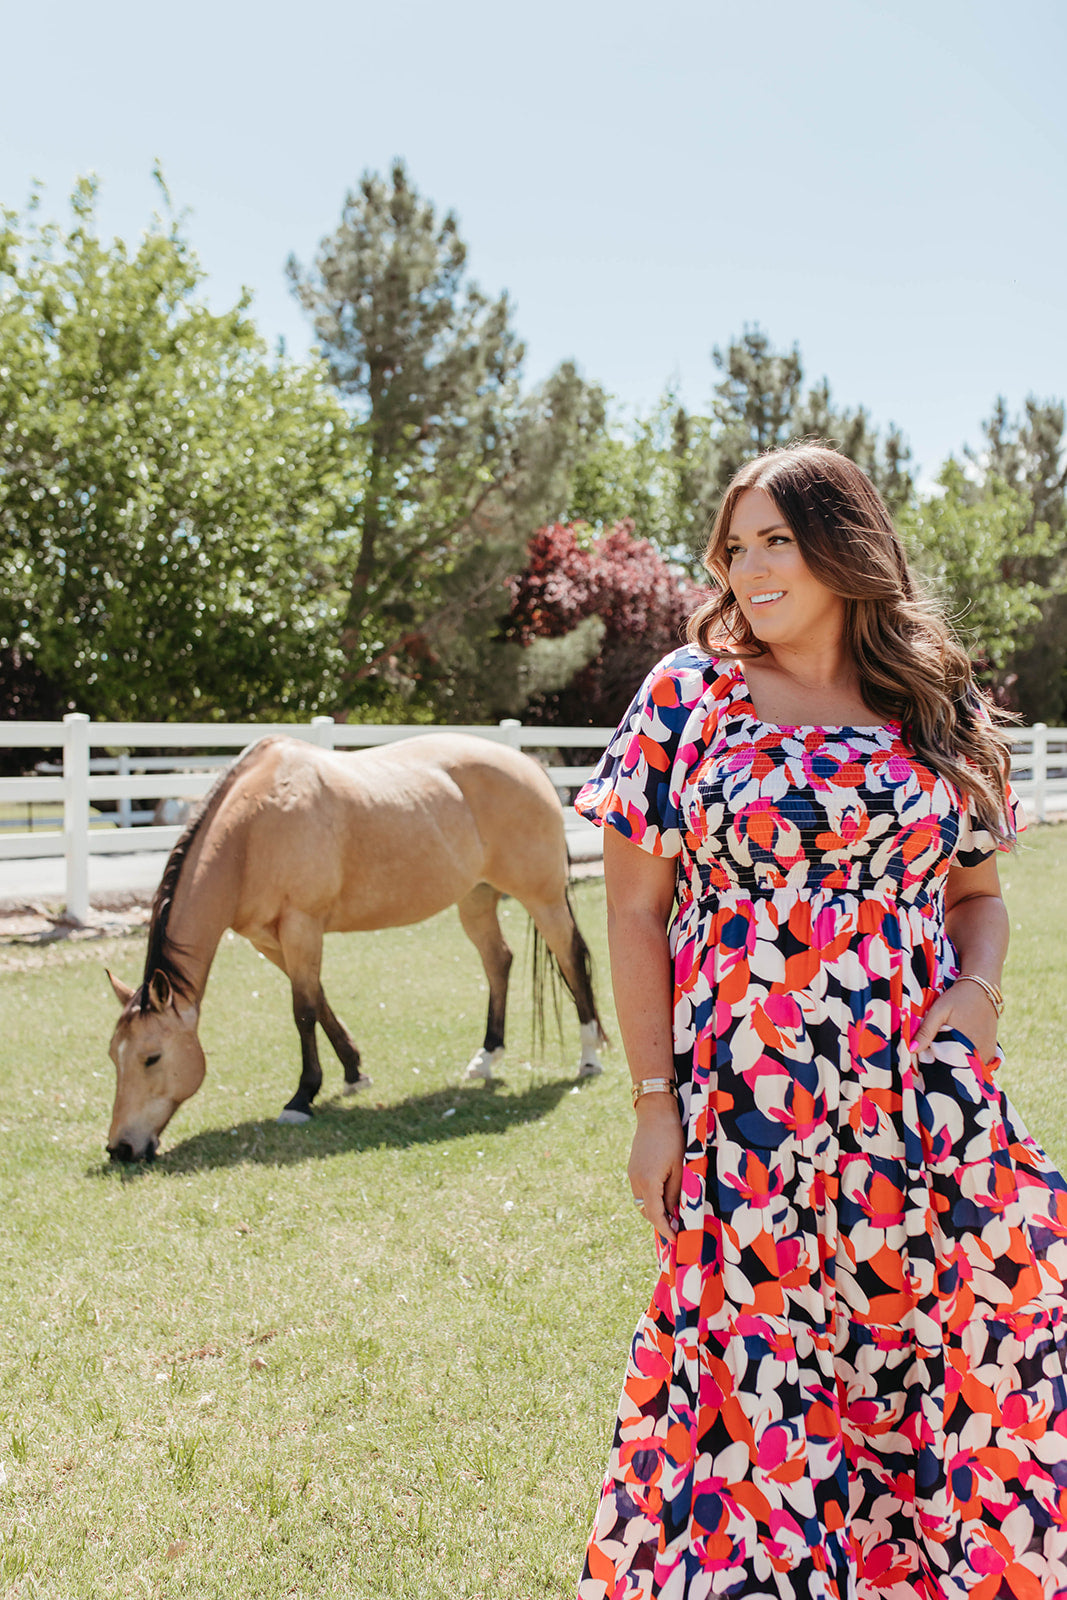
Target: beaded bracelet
{"points": [[653, 1086], [993, 993]]}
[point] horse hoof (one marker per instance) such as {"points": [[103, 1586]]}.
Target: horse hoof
{"points": [[482, 1064], [358, 1087], [289, 1115], [590, 1069]]}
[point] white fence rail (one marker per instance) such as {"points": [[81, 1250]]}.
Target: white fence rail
{"points": [[78, 779]]}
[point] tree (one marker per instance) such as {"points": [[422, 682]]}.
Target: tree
{"points": [[168, 495], [644, 475], [1027, 453], [760, 404], [456, 467], [641, 604], [667, 470], [975, 549]]}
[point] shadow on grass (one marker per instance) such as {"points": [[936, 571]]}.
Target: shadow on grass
{"points": [[352, 1125]]}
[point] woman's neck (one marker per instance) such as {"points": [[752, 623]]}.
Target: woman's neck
{"points": [[792, 685]]}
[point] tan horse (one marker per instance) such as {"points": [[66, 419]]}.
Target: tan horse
{"points": [[294, 842]]}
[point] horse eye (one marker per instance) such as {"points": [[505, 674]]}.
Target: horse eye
{"points": [[150, 1061]]}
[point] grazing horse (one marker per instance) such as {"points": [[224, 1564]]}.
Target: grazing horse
{"points": [[294, 842]]}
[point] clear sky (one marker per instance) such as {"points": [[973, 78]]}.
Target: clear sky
{"points": [[882, 181]]}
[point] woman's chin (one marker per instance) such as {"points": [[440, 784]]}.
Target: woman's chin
{"points": [[769, 630]]}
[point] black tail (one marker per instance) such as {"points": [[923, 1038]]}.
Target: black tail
{"points": [[547, 973]]}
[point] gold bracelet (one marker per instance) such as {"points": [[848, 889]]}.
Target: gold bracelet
{"points": [[653, 1086], [996, 999]]}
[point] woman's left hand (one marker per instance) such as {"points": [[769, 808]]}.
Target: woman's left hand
{"points": [[965, 1006]]}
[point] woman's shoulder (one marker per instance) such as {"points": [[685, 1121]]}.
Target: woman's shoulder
{"points": [[691, 675]]}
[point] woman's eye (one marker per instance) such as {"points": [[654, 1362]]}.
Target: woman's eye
{"points": [[779, 538], [731, 551], [150, 1061]]}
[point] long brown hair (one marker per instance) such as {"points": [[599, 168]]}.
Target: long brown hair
{"points": [[911, 668]]}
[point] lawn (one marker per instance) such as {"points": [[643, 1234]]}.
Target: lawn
{"points": [[376, 1356]]}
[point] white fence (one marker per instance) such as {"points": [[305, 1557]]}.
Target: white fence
{"points": [[1039, 771], [80, 779]]}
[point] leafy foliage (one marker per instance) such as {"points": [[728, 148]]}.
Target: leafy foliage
{"points": [[759, 403], [976, 549], [1027, 453], [168, 495], [640, 601], [456, 466], [191, 528], [670, 470]]}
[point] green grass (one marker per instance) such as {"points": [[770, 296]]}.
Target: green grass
{"points": [[376, 1356]]}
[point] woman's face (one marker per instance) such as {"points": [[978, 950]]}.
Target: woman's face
{"points": [[780, 598]]}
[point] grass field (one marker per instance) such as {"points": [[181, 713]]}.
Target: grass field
{"points": [[376, 1356]]}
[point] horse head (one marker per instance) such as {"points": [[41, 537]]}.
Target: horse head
{"points": [[158, 1064]]}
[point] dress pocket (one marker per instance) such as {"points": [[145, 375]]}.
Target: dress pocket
{"points": [[961, 1109], [987, 1067]]}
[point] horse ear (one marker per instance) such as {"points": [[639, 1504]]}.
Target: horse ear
{"points": [[160, 991], [123, 992]]}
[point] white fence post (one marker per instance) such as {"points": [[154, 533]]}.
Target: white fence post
{"points": [[125, 806], [322, 731], [76, 812], [512, 732], [1040, 769]]}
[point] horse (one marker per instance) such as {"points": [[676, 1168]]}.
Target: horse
{"points": [[293, 842]]}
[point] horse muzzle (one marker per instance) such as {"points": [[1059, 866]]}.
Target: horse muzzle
{"points": [[123, 1151]]}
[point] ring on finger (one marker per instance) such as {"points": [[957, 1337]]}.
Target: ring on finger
{"points": [[637, 1200]]}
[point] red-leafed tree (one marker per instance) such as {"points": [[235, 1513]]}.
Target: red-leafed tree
{"points": [[623, 580]]}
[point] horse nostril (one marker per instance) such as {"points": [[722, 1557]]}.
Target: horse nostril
{"points": [[122, 1151], [150, 1150]]}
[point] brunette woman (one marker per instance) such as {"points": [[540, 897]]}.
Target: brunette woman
{"points": [[851, 1379]]}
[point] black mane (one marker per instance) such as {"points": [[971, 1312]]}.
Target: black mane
{"points": [[162, 954]]}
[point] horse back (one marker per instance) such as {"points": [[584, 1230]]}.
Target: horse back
{"points": [[392, 835]]}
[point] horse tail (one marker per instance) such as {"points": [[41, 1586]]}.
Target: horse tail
{"points": [[548, 975]]}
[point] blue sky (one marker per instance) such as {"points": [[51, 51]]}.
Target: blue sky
{"points": [[883, 183]]}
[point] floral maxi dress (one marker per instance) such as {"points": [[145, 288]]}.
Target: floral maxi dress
{"points": [[850, 1382]]}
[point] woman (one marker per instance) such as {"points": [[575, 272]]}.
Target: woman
{"points": [[850, 1381]]}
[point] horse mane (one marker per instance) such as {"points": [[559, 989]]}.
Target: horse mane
{"points": [[162, 954]]}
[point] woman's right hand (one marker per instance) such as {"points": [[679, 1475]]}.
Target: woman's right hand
{"points": [[656, 1159]]}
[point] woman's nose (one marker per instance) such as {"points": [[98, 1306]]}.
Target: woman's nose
{"points": [[750, 562]]}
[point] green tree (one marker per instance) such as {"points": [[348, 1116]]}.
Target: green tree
{"points": [[644, 473], [975, 548], [1027, 452], [667, 471], [169, 496], [760, 403], [457, 467]]}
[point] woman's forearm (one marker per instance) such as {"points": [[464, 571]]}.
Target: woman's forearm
{"points": [[978, 927], [642, 980]]}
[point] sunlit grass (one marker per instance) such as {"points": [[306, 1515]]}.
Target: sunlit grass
{"points": [[376, 1356]]}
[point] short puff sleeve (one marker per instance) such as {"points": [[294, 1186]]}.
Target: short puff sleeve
{"points": [[636, 787], [976, 843]]}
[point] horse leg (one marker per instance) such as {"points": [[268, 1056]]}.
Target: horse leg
{"points": [[554, 920], [477, 913], [344, 1046], [300, 939]]}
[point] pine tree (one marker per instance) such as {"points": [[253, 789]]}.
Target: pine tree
{"points": [[1028, 454], [458, 467]]}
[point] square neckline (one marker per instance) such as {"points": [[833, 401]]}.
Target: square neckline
{"points": [[741, 682]]}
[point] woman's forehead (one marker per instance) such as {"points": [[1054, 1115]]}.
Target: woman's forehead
{"points": [[755, 513]]}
